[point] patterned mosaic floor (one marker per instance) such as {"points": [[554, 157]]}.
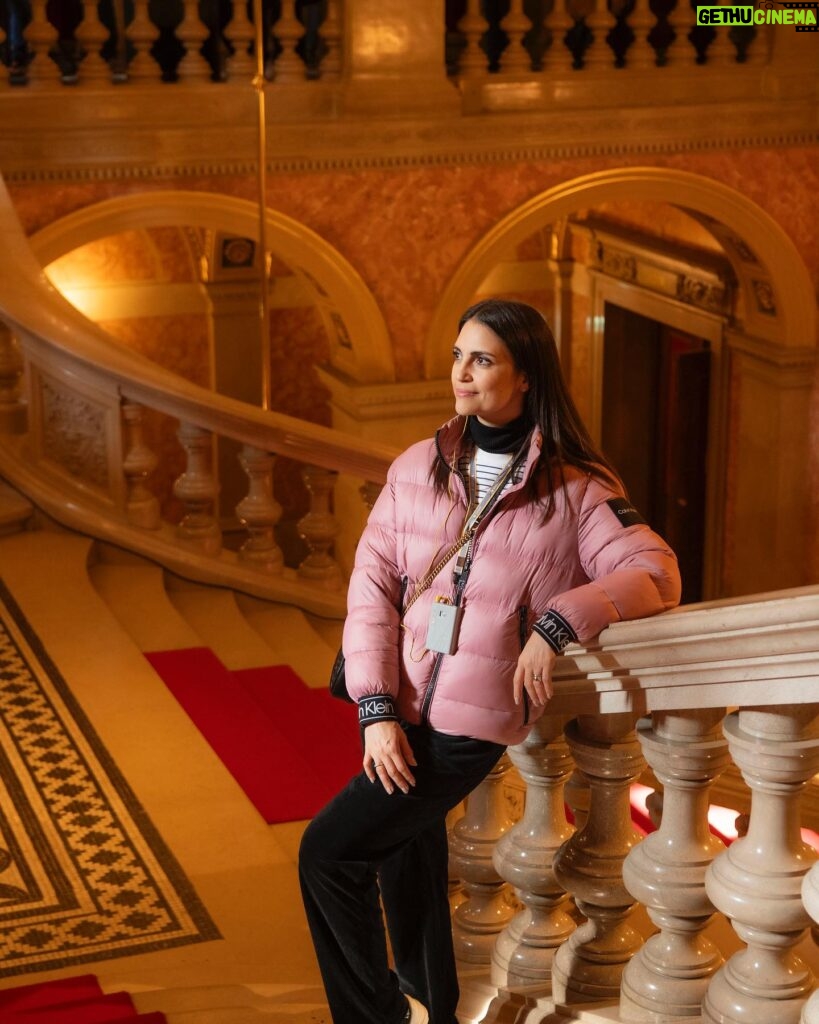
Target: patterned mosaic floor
{"points": [[84, 876]]}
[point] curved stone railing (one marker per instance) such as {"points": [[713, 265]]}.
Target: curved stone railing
{"points": [[73, 407], [614, 926]]}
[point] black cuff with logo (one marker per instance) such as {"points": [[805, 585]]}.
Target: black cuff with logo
{"points": [[555, 630], [379, 708]]}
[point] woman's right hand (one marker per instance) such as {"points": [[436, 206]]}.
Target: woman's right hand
{"points": [[388, 756]]}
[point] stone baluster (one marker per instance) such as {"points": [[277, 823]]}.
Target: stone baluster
{"points": [[682, 20], [756, 52], [192, 33], [319, 528], [486, 911], [757, 881], [515, 59], [258, 512], [331, 33], [472, 26], [92, 34], [721, 50], [668, 977], [588, 966], [577, 796], [240, 31], [139, 462], [559, 23], [599, 55], [40, 36], [369, 492], [523, 857], [641, 54], [12, 407], [142, 33], [198, 490], [810, 897], [289, 66]]}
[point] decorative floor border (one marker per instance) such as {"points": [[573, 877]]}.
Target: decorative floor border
{"points": [[84, 874]]}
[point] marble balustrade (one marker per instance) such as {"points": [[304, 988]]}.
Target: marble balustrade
{"points": [[214, 42], [138, 466], [675, 925]]}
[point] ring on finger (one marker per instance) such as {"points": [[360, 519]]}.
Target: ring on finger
{"points": [[379, 765], [536, 679]]}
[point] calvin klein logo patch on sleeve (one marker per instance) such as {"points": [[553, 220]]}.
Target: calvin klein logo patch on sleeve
{"points": [[627, 514]]}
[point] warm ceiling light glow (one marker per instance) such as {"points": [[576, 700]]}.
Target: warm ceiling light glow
{"points": [[81, 294]]}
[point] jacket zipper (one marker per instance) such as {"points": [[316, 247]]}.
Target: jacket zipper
{"points": [[429, 693], [523, 613]]}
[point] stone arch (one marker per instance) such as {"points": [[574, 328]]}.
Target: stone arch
{"points": [[359, 341], [764, 253], [760, 535]]}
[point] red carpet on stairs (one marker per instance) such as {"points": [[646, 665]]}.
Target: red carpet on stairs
{"points": [[77, 1000], [288, 746]]}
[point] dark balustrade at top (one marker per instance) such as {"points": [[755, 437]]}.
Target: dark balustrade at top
{"points": [[70, 41], [526, 36]]}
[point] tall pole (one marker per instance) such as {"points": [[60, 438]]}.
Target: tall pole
{"points": [[264, 305]]}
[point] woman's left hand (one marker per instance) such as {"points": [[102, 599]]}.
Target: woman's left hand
{"points": [[534, 671]]}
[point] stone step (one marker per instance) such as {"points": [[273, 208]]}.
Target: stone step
{"points": [[16, 512]]}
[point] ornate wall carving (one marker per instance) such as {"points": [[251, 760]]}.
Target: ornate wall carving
{"points": [[73, 434]]}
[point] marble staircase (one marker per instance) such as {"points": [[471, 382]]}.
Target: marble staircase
{"points": [[96, 610]]}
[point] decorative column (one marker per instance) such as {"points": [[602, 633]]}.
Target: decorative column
{"points": [[289, 66], [91, 33], [142, 32], [666, 871], [641, 54], [141, 505], [319, 528], [587, 968], [682, 19], [40, 35], [721, 50], [523, 857], [240, 30], [259, 512], [599, 56], [757, 882], [198, 490], [331, 34], [472, 27], [559, 23], [485, 912], [515, 58], [12, 408], [369, 492], [810, 897], [192, 33]]}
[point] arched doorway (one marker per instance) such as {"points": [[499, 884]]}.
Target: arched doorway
{"points": [[757, 517]]}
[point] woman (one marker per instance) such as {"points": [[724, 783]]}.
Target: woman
{"points": [[447, 672]]}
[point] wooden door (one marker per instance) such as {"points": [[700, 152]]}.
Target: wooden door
{"points": [[655, 429]]}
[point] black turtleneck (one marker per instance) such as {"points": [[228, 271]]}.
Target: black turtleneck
{"points": [[499, 440]]}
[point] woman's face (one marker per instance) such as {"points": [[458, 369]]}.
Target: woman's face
{"points": [[485, 380]]}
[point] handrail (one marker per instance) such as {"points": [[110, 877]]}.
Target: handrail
{"points": [[38, 312]]}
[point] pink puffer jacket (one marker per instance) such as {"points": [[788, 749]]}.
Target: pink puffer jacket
{"points": [[590, 562]]}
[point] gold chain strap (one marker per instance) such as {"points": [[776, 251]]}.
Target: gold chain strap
{"points": [[425, 583]]}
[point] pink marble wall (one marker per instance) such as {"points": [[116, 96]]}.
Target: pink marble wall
{"points": [[406, 231]]}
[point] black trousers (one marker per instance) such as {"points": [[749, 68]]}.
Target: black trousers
{"points": [[366, 842]]}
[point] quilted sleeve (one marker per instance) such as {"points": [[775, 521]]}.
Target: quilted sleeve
{"points": [[632, 571], [371, 630]]}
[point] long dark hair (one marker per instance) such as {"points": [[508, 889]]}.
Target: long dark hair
{"points": [[547, 401]]}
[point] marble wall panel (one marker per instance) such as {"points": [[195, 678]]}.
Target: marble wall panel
{"points": [[407, 230]]}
